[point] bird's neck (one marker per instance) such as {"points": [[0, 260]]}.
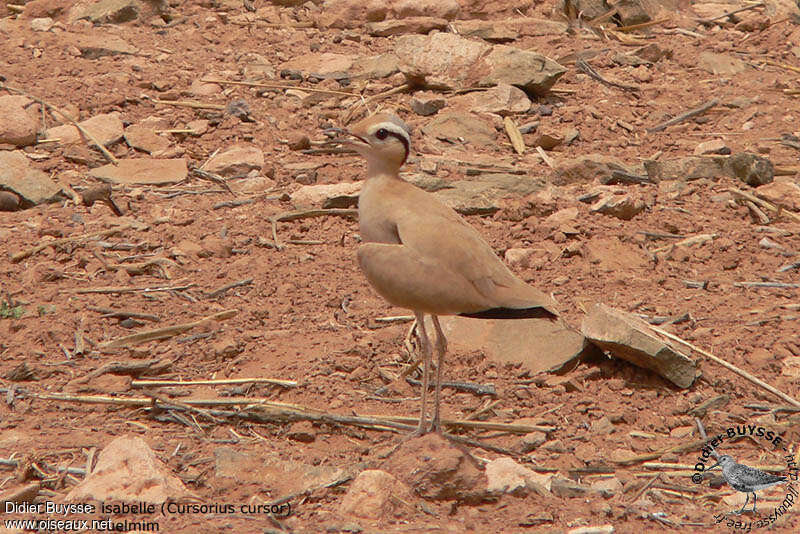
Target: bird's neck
{"points": [[377, 169]]}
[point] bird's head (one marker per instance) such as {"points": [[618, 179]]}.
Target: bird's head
{"points": [[724, 461], [382, 139]]}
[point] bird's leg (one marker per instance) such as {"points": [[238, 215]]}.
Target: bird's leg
{"points": [[746, 500], [441, 348], [754, 503], [425, 345]]}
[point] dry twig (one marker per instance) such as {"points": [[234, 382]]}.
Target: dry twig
{"points": [[19, 256], [684, 116], [166, 332]]}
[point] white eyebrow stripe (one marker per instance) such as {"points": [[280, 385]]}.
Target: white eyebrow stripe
{"points": [[392, 127]]}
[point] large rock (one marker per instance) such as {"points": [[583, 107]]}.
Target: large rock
{"points": [[236, 161], [484, 194], [587, 169], [321, 65], [750, 168], [784, 194], [144, 138], [375, 494], [504, 475], [111, 11], [631, 339], [624, 207], [127, 470], [97, 44], [538, 344], [143, 171], [333, 195], [721, 64], [374, 67], [437, 470], [502, 99], [280, 476], [106, 128], [18, 126], [354, 13], [30, 184], [448, 61], [457, 126], [385, 28]]}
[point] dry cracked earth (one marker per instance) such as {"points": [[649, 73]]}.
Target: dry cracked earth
{"points": [[614, 446]]}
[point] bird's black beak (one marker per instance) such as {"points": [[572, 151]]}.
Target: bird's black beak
{"points": [[342, 137], [713, 466]]}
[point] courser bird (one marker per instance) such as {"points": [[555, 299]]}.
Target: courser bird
{"points": [[419, 254]]}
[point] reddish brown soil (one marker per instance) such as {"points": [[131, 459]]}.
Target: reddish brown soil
{"points": [[309, 313]]}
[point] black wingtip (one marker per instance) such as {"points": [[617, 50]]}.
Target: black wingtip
{"points": [[512, 313]]}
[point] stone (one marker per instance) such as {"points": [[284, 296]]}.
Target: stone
{"points": [[386, 28], [281, 476], [302, 431], [436, 470], [31, 185], [587, 169], [321, 194], [427, 104], [143, 171], [201, 88], [484, 195], [375, 67], [530, 71], [441, 60], [145, 139], [721, 64], [106, 129], [9, 201], [548, 140], [536, 344], [236, 161], [19, 126], [42, 24], [502, 99], [345, 14], [631, 12], [653, 53], [504, 475], [531, 441], [791, 367], [714, 146], [374, 494], [631, 339], [47, 8], [112, 11], [624, 207], [784, 194], [460, 127], [750, 168], [612, 255], [684, 169], [128, 470], [97, 44], [488, 30], [321, 65]]}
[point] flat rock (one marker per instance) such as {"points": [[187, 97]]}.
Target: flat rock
{"points": [[386, 28], [537, 344], [791, 367], [96, 44], [436, 470], [502, 99], [484, 194], [587, 169], [325, 194], [18, 126], [631, 339], [488, 30], [457, 127], [326, 65], [106, 129], [29, 183], [721, 64], [236, 161], [374, 494], [127, 470], [684, 169], [41, 24], [280, 476], [448, 61], [624, 207], [784, 194], [612, 255], [714, 146], [354, 13], [750, 168], [375, 67], [504, 475], [112, 11], [145, 171], [427, 104], [145, 139]]}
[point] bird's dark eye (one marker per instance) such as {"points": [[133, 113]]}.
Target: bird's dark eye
{"points": [[382, 134]]}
